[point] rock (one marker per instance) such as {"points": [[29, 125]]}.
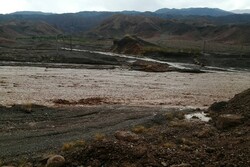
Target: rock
{"points": [[182, 165], [210, 150], [159, 119], [218, 106], [225, 121], [56, 161], [127, 136], [164, 164]]}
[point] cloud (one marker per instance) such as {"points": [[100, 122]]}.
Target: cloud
{"points": [[7, 6], [62, 6]]}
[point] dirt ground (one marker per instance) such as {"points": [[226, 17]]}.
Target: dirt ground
{"points": [[39, 85]]}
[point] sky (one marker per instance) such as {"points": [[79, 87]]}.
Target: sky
{"points": [[65, 6]]}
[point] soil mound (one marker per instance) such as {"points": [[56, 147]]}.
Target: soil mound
{"points": [[239, 104]]}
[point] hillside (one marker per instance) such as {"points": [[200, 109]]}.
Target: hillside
{"points": [[14, 29], [120, 25]]}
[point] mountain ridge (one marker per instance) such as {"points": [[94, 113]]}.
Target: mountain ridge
{"points": [[194, 11]]}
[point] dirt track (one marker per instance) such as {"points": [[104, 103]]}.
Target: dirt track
{"points": [[24, 133]]}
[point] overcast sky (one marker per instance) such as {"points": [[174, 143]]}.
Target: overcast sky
{"points": [[63, 6]]}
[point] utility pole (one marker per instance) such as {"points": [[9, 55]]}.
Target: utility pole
{"points": [[204, 46], [57, 45], [71, 43]]}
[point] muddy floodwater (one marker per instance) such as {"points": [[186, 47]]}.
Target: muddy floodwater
{"points": [[39, 85]]}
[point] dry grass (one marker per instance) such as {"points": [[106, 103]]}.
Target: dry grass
{"points": [[73, 144], [186, 141], [139, 129], [169, 145], [28, 107], [99, 136]]}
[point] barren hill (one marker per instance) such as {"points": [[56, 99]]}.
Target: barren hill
{"points": [[119, 25]]}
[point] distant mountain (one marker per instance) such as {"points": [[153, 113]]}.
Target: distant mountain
{"points": [[67, 22], [194, 11], [239, 11], [30, 13]]}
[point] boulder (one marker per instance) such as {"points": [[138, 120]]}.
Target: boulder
{"points": [[56, 161], [225, 121], [127, 136]]}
